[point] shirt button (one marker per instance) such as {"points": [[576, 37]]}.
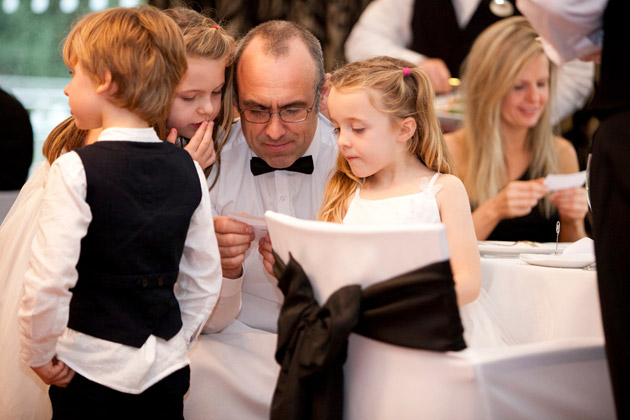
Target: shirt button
{"points": [[161, 280], [282, 198], [145, 281]]}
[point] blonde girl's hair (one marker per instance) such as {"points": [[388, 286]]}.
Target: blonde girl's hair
{"points": [[140, 47], [205, 38], [400, 90], [489, 73], [63, 138]]}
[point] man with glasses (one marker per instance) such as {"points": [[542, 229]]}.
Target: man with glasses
{"points": [[279, 157]]}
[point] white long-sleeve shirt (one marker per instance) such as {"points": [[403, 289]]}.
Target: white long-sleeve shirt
{"points": [[291, 193], [44, 313], [385, 29], [570, 29]]}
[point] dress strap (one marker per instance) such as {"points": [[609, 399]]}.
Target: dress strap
{"points": [[433, 178], [428, 187]]}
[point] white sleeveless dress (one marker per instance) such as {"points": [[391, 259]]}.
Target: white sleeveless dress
{"points": [[22, 394], [481, 325]]}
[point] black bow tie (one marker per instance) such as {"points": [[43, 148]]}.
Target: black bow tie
{"points": [[303, 165]]}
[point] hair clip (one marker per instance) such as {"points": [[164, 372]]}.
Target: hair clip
{"points": [[406, 71]]}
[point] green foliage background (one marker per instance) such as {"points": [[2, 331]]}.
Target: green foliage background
{"points": [[31, 44]]}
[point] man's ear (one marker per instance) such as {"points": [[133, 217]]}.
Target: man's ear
{"points": [[323, 97], [107, 86], [407, 129]]}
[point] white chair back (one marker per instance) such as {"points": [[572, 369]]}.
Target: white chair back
{"points": [[335, 255]]}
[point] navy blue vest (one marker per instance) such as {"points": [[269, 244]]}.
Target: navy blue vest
{"points": [[437, 34], [142, 197]]}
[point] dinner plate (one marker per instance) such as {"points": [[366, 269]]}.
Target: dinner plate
{"points": [[515, 248], [564, 261]]}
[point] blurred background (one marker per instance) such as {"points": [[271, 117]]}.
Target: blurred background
{"points": [[32, 31]]}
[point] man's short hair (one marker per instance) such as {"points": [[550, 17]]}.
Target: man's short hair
{"points": [[141, 47], [276, 36]]}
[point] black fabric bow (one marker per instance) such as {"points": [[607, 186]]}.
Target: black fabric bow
{"points": [[417, 309], [303, 165]]}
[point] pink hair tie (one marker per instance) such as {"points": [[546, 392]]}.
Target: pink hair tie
{"points": [[406, 71], [214, 27]]}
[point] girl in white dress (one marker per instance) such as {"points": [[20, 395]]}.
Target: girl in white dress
{"points": [[22, 394], [394, 168]]}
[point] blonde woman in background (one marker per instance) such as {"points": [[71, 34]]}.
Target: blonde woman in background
{"points": [[506, 146]]}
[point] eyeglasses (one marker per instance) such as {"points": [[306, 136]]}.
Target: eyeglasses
{"points": [[288, 115]]}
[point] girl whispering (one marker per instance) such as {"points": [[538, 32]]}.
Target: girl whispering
{"points": [[201, 114], [393, 168]]}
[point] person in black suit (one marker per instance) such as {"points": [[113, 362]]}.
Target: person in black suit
{"points": [[16, 143], [598, 30]]}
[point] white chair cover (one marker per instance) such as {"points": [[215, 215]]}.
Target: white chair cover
{"points": [[556, 379]]}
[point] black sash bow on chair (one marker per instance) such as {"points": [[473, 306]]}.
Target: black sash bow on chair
{"points": [[417, 310]]}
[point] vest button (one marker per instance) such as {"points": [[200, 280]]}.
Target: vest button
{"points": [[161, 280], [144, 281]]}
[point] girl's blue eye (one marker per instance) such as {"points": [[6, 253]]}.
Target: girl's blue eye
{"points": [[336, 130], [358, 130]]}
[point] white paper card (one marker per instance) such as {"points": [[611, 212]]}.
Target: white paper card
{"points": [[563, 181], [258, 223]]}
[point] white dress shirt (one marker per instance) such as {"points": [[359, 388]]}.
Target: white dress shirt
{"points": [[569, 29], [43, 315], [385, 29], [295, 194]]}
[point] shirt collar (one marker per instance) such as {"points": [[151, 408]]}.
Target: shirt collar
{"points": [[146, 135]]}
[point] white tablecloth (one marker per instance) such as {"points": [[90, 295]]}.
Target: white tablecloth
{"points": [[543, 303]]}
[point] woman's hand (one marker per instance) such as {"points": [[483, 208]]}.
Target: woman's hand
{"points": [[572, 203], [518, 198]]}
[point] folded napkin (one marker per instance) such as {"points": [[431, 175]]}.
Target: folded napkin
{"points": [[582, 246]]}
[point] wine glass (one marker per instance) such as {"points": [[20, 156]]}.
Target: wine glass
{"points": [[588, 180]]}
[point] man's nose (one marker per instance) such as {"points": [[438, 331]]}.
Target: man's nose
{"points": [[275, 127]]}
